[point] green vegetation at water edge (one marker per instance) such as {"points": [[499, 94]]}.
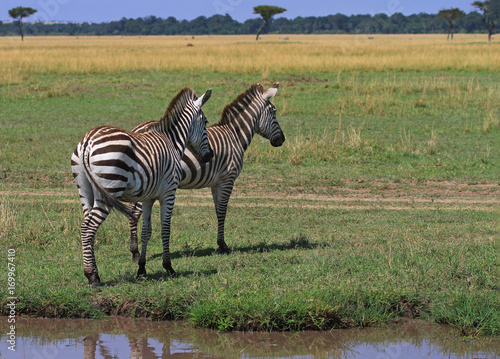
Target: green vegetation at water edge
{"points": [[290, 268]]}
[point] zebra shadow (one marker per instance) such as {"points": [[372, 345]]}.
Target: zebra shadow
{"points": [[187, 251], [296, 243]]}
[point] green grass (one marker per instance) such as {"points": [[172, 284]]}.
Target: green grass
{"points": [[409, 126], [296, 263], [290, 268]]}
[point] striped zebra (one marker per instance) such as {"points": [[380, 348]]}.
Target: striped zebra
{"points": [[251, 112], [111, 165]]}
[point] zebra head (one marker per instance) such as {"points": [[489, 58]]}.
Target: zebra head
{"points": [[197, 137], [267, 125]]}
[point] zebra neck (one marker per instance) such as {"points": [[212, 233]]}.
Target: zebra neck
{"points": [[243, 128], [240, 116], [177, 132]]}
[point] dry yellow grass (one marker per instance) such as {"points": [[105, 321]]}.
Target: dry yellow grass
{"points": [[242, 54]]}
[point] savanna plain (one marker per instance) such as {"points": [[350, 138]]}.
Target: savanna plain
{"points": [[381, 205]]}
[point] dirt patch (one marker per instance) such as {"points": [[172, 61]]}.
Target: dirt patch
{"points": [[439, 195]]}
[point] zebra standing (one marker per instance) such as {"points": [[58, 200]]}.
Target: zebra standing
{"points": [[112, 165], [251, 112]]}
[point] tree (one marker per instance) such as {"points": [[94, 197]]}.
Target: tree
{"points": [[18, 13], [267, 12], [488, 15], [451, 15]]}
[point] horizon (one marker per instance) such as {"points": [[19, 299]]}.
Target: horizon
{"points": [[93, 11], [163, 18]]}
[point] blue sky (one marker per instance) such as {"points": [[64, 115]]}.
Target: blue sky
{"points": [[109, 10]]}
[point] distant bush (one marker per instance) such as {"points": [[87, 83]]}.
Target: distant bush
{"points": [[224, 25]]}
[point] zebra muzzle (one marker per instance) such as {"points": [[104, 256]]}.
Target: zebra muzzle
{"points": [[278, 140]]}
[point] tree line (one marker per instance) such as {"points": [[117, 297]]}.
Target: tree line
{"points": [[396, 23]]}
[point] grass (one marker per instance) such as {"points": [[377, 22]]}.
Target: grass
{"points": [[380, 205], [292, 268], [332, 122], [242, 54]]}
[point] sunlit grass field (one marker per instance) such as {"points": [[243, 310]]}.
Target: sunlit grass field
{"points": [[380, 205], [242, 54]]}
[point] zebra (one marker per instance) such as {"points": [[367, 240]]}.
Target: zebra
{"points": [[111, 165], [251, 112]]}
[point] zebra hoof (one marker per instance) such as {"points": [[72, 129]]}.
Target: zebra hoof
{"points": [[141, 273], [170, 271], [224, 249], [94, 280]]}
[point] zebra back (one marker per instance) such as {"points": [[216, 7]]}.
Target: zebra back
{"points": [[251, 112], [126, 165], [174, 122]]}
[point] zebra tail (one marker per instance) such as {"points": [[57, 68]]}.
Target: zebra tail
{"points": [[108, 198]]}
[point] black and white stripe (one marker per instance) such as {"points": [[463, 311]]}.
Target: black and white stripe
{"points": [[111, 165], [251, 112]]}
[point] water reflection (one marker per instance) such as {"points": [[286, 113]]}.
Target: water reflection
{"points": [[128, 338]]}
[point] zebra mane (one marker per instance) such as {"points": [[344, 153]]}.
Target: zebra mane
{"points": [[228, 114], [177, 105]]}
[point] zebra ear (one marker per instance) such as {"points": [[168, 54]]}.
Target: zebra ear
{"points": [[203, 98], [270, 93]]}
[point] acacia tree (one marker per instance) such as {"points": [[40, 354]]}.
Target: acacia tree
{"points": [[451, 15], [20, 12], [488, 15], [267, 12]]}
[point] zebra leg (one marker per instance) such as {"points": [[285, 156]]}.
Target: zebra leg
{"points": [[88, 230], [136, 208], [220, 195], [166, 206], [85, 190], [93, 216], [145, 235]]}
